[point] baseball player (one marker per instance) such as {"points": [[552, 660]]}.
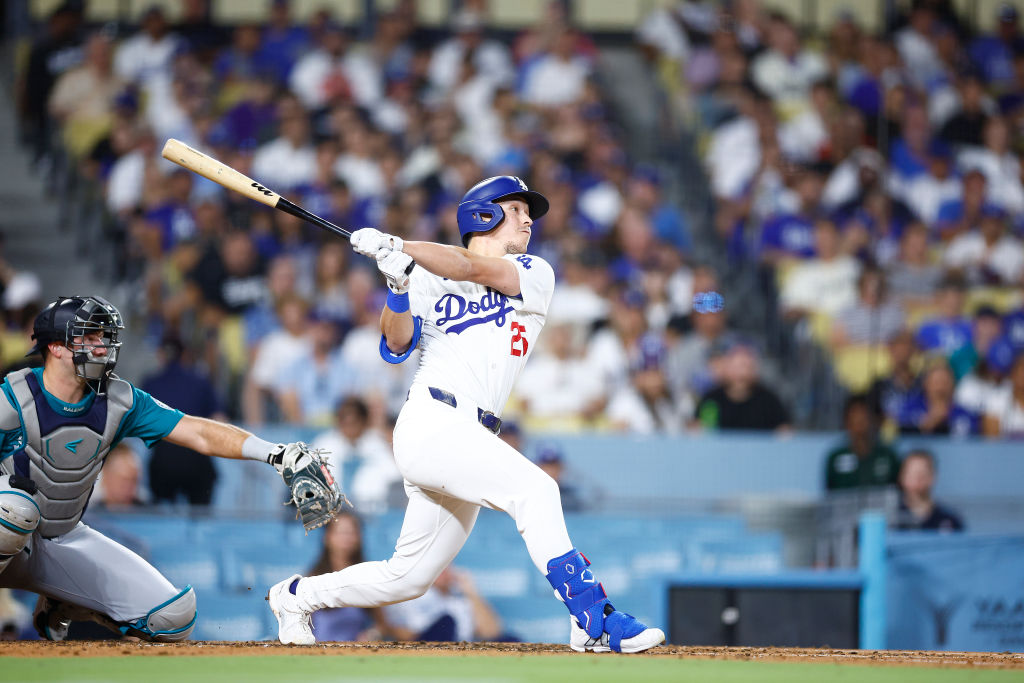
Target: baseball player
{"points": [[57, 425], [475, 313]]}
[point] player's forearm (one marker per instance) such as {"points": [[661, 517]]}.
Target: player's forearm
{"points": [[443, 260], [397, 329], [209, 437]]}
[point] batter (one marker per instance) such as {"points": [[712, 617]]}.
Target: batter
{"points": [[475, 313]]}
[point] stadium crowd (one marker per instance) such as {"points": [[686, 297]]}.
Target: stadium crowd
{"points": [[873, 188]]}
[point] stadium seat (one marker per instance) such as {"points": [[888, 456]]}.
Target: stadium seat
{"points": [[184, 564], [258, 568]]}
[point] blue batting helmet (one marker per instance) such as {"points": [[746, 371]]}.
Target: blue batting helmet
{"points": [[479, 210]]}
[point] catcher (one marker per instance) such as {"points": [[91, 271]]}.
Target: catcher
{"points": [[56, 427]]}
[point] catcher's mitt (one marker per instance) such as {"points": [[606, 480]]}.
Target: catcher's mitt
{"points": [[315, 494]]}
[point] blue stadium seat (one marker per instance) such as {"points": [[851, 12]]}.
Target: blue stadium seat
{"points": [[233, 617], [185, 564], [750, 554], [258, 568]]}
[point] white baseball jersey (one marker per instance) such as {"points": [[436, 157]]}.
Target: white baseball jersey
{"points": [[475, 340]]}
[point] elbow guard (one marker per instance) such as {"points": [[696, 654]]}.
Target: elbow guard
{"points": [[393, 358]]}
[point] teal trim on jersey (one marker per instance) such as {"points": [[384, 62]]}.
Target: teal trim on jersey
{"points": [[9, 446], [149, 420], [25, 496]]}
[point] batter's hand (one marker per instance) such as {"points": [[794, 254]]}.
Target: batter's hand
{"points": [[395, 267], [369, 241]]}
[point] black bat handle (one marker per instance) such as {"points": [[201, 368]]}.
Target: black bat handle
{"points": [[297, 211]]}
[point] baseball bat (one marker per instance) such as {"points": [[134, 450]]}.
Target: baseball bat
{"points": [[222, 174]]}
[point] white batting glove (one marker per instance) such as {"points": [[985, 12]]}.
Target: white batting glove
{"points": [[393, 265], [368, 241]]}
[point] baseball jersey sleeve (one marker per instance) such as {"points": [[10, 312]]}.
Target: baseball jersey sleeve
{"points": [[536, 282], [149, 419]]}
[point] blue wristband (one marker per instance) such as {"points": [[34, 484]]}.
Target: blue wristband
{"points": [[399, 303]]}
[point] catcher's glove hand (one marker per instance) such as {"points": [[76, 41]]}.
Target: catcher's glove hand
{"points": [[314, 492]]}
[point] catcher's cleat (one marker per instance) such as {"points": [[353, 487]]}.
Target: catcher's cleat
{"points": [[622, 633], [50, 619], [293, 625]]}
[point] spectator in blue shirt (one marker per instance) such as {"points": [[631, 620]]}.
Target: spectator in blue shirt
{"points": [[950, 330], [993, 54], [791, 235], [933, 410]]}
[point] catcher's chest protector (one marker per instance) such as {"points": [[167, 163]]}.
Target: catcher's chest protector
{"points": [[63, 454]]}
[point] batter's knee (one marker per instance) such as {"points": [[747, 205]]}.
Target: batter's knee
{"points": [[170, 621], [408, 582]]}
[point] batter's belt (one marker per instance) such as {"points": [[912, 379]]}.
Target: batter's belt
{"points": [[489, 420]]}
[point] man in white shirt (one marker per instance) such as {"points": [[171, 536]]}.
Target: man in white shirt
{"points": [[826, 283], [558, 78], [786, 71], [336, 71], [489, 56], [289, 160], [987, 255]]}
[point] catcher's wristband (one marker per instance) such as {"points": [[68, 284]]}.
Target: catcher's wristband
{"points": [[255, 448], [399, 303]]}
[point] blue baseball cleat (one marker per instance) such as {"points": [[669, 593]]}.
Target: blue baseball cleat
{"points": [[622, 633]]}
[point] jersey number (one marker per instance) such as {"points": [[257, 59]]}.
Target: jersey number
{"points": [[525, 260], [519, 343]]}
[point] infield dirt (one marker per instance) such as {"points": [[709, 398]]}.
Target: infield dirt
{"points": [[980, 660]]}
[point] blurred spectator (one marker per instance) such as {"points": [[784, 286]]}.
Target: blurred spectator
{"points": [[986, 329], [288, 161], [145, 58], [926, 192], [359, 457], [15, 618], [558, 388], [645, 405], [175, 470], [342, 548], [918, 511], [452, 610], [950, 330], [873, 318], [336, 72], [55, 52], [790, 235], [1004, 411], [1000, 164], [283, 42], [558, 77], [118, 486], [82, 100], [316, 381], [933, 409], [916, 47], [198, 31], [273, 356], [229, 275], [913, 277], [862, 459], [987, 256], [740, 401], [610, 348], [644, 193], [488, 56], [786, 70], [888, 395], [994, 53], [966, 126], [959, 215], [551, 459], [823, 284]]}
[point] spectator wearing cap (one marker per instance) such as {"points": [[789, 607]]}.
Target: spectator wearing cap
{"points": [[918, 511], [1000, 164], [558, 388], [318, 379], [873, 318], [551, 458], [1004, 411], [741, 401], [646, 406], [993, 54], [950, 330], [925, 193], [610, 348], [644, 194], [824, 284], [862, 460], [933, 410], [989, 357], [987, 256], [175, 471]]}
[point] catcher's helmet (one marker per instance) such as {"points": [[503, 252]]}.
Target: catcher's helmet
{"points": [[78, 316], [481, 200]]}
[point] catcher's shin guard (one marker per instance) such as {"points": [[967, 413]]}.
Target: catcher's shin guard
{"points": [[576, 586], [171, 621]]}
